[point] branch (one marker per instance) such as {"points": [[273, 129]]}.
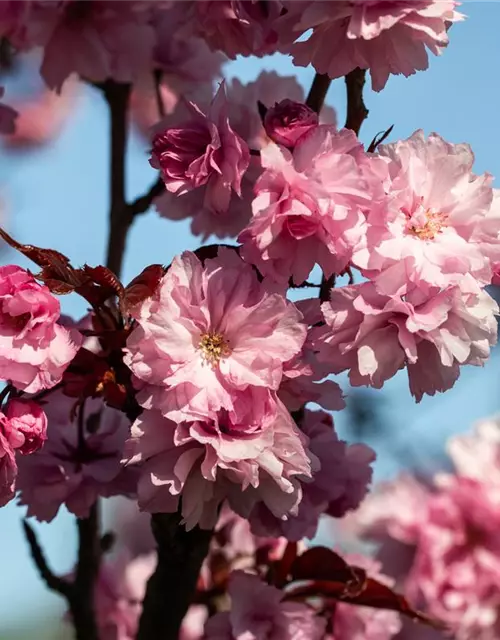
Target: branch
{"points": [[172, 587], [53, 582], [120, 217], [318, 91], [142, 203], [87, 569], [327, 285], [356, 108]]}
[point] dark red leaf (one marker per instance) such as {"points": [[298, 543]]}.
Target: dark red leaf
{"points": [[105, 278], [283, 568], [141, 287], [321, 563]]}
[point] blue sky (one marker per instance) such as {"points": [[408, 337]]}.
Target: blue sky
{"points": [[57, 197]]}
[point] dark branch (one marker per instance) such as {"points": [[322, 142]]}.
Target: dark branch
{"points": [[379, 138], [318, 91], [327, 285], [53, 582], [142, 203], [87, 569], [120, 217], [356, 109], [172, 587]]}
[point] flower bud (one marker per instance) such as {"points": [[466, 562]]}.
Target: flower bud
{"points": [[26, 425], [288, 121]]}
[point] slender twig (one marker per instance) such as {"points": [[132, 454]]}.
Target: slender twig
{"points": [[157, 77], [53, 582], [379, 138], [356, 108], [327, 285], [318, 91], [172, 587], [142, 203]]}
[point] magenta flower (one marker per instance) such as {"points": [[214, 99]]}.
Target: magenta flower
{"points": [[258, 612], [433, 334], [384, 37], [79, 462], [439, 220], [23, 427], [206, 462], [309, 205], [287, 121], [34, 349], [339, 482], [209, 337], [204, 152]]}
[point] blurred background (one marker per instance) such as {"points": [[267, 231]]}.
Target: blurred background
{"points": [[53, 193]]}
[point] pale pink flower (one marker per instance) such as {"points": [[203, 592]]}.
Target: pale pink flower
{"points": [[238, 26], [258, 612], [210, 336], [34, 349], [364, 623], [384, 37], [118, 595], [287, 121], [332, 486], [79, 462], [430, 333], [203, 153], [456, 568], [7, 117], [477, 454], [205, 463], [97, 40], [309, 206], [438, 222]]}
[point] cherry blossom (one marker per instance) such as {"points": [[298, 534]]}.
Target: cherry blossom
{"points": [[309, 206], [258, 609], [430, 333], [439, 221], [204, 152], [385, 37], [79, 462], [210, 335], [34, 349]]}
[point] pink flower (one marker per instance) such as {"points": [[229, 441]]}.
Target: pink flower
{"points": [[332, 486], [239, 27], [204, 152], [118, 595], [439, 220], [304, 375], [364, 623], [8, 467], [79, 462], [477, 454], [287, 121], [23, 428], [309, 206], [245, 120], [432, 334], [34, 349], [209, 337], [98, 40], [258, 612], [207, 462], [25, 425], [384, 37], [7, 117]]}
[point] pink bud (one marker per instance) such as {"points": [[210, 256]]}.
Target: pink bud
{"points": [[26, 426], [288, 121]]}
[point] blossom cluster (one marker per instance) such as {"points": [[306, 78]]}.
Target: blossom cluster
{"points": [[438, 538]]}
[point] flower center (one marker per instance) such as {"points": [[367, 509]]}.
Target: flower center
{"points": [[213, 347], [427, 224]]}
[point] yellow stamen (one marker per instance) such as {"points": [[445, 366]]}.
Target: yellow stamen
{"points": [[213, 347]]}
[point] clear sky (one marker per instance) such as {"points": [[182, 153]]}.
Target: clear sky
{"points": [[57, 197]]}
